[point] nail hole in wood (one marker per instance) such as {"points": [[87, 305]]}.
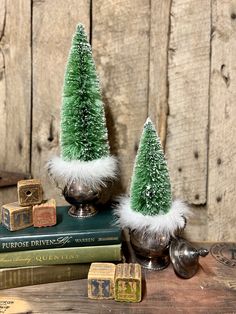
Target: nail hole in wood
{"points": [[197, 197], [225, 74], [233, 16], [39, 148], [219, 161], [218, 199], [20, 146], [180, 169], [196, 155], [50, 139], [136, 147]]}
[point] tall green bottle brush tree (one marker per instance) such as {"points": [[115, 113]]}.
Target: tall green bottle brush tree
{"points": [[85, 152], [83, 126]]}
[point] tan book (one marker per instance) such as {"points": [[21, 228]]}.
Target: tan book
{"points": [[34, 275]]}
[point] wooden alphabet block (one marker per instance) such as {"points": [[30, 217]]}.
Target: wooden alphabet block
{"points": [[128, 283], [30, 192], [101, 278], [15, 217], [44, 215]]}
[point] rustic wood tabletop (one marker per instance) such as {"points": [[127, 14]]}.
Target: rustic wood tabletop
{"points": [[212, 290]]}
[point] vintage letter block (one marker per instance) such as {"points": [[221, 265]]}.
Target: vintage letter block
{"points": [[45, 215], [15, 217], [30, 192], [101, 278], [128, 283]]}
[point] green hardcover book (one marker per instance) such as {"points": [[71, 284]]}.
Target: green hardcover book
{"points": [[68, 232], [35, 275], [72, 255]]}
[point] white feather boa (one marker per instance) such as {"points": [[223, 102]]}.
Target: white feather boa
{"points": [[92, 173], [167, 223]]}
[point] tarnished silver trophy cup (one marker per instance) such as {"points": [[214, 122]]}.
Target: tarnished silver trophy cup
{"points": [[82, 198], [85, 199], [152, 251]]}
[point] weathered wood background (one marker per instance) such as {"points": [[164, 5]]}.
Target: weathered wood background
{"points": [[172, 60]]}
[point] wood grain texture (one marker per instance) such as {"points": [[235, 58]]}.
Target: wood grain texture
{"points": [[197, 224], [212, 290], [222, 149], [15, 89], [120, 44], [11, 178], [54, 23], [158, 84], [188, 78]]}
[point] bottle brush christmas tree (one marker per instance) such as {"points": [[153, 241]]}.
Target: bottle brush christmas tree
{"points": [[85, 154], [150, 207], [150, 189]]}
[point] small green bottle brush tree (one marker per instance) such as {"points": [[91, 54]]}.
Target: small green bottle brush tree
{"points": [[150, 207], [85, 154]]}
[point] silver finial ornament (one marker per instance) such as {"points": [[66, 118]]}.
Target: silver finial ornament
{"points": [[185, 258]]}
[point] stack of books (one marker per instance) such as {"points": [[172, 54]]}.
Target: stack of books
{"points": [[58, 253]]}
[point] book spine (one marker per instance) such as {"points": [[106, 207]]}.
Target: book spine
{"points": [[34, 275], [61, 256], [39, 242]]}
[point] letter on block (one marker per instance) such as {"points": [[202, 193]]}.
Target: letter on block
{"points": [[128, 283], [44, 215], [30, 192], [101, 278], [15, 217]]}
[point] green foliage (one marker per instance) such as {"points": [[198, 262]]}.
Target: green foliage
{"points": [[150, 186], [83, 127]]}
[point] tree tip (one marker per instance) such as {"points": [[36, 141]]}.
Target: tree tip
{"points": [[148, 121], [80, 35], [80, 27]]}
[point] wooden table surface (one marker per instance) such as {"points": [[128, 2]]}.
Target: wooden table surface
{"points": [[212, 290]]}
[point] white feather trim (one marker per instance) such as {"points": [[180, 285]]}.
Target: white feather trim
{"points": [[167, 224], [92, 173]]}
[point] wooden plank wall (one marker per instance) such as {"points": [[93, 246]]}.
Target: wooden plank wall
{"points": [[120, 38], [222, 123], [15, 89], [172, 60]]}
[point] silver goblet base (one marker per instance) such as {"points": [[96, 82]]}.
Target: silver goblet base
{"points": [[82, 211], [82, 198], [152, 251]]}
